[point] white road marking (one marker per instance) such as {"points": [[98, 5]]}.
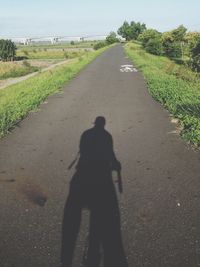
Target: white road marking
{"points": [[128, 68]]}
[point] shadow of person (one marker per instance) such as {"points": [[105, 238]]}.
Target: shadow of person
{"points": [[92, 187]]}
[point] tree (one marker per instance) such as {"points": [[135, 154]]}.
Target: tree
{"points": [[154, 46], [136, 29], [131, 31], [112, 38], [7, 50], [151, 41], [124, 31], [179, 33], [191, 39], [172, 42], [170, 47], [146, 35], [195, 56]]}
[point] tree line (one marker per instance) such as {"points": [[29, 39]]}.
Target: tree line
{"points": [[177, 43]]}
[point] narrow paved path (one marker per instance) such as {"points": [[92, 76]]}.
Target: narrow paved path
{"points": [[161, 174]]}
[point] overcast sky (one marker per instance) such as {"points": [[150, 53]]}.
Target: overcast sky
{"points": [[31, 18]]}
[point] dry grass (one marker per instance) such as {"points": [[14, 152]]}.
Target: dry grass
{"points": [[15, 69]]}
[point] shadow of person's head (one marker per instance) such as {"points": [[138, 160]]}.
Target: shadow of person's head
{"points": [[100, 122]]}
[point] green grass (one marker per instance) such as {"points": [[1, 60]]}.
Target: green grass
{"points": [[17, 100], [12, 69], [175, 86], [49, 53]]}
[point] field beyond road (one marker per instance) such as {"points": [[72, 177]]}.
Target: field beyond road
{"points": [[160, 172]]}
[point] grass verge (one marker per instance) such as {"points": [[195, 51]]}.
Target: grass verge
{"points": [[175, 86], [17, 100]]}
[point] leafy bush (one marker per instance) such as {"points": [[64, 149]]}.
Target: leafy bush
{"points": [[190, 40], [7, 50], [172, 50], [172, 42], [145, 36], [154, 46], [99, 45], [112, 38], [195, 57], [151, 41]]}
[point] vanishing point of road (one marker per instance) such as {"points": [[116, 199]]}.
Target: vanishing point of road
{"points": [[160, 204]]}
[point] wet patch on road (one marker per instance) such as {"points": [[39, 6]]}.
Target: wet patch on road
{"points": [[4, 178], [7, 180], [23, 187], [11, 181], [34, 194]]}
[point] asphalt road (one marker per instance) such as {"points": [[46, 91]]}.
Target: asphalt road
{"points": [[161, 175]]}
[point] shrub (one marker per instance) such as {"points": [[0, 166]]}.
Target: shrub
{"points": [[147, 35], [172, 50], [172, 42], [7, 50], [195, 57], [99, 45], [154, 46], [112, 38]]}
